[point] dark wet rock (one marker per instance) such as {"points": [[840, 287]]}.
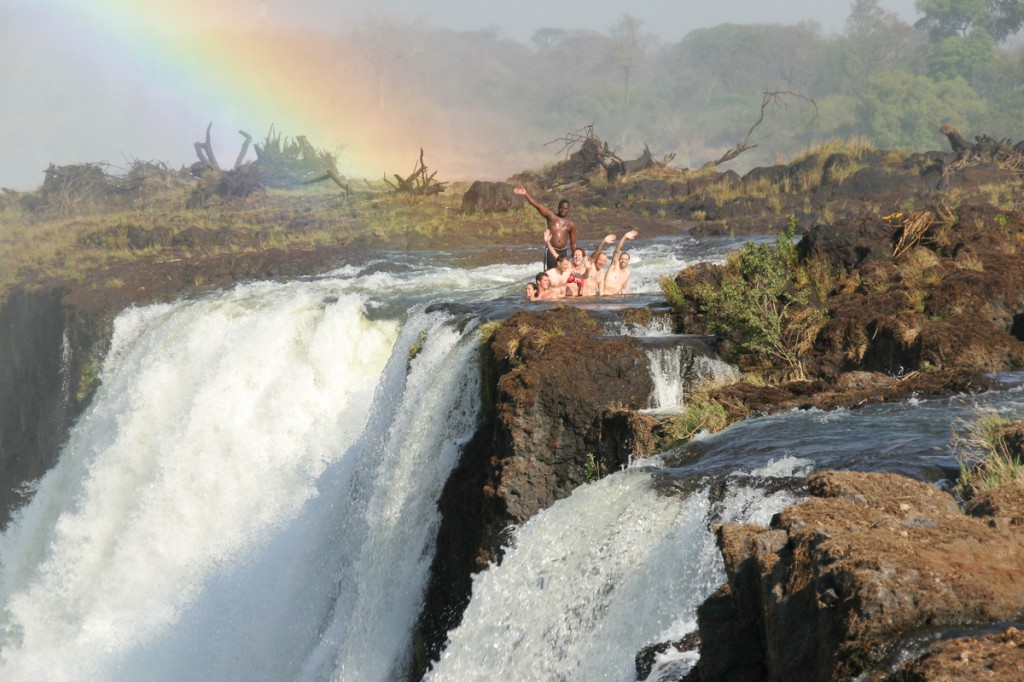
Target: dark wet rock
{"points": [[561, 410], [837, 581], [881, 183], [558, 385], [743, 399], [850, 243], [647, 657], [490, 197], [996, 656]]}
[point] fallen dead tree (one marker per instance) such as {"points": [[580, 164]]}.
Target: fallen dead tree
{"points": [[280, 162], [587, 156], [984, 148], [67, 189], [418, 182]]}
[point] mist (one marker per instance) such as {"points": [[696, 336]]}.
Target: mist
{"points": [[484, 94]]}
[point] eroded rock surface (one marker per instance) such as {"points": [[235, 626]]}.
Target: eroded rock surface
{"points": [[829, 589]]}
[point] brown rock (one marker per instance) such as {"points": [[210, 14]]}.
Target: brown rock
{"points": [[998, 657], [828, 591]]}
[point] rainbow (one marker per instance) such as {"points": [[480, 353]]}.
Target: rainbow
{"points": [[245, 78]]}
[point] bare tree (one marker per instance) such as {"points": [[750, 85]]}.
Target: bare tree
{"points": [[769, 99]]}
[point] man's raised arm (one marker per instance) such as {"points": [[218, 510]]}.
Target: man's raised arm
{"points": [[543, 210], [618, 249], [597, 249]]}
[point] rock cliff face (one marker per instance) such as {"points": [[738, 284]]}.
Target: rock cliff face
{"points": [[562, 411], [34, 392], [870, 561]]}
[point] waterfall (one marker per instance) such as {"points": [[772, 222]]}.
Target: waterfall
{"points": [[251, 495], [676, 369], [587, 583]]}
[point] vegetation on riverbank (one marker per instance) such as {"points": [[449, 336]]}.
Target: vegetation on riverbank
{"points": [[991, 453], [75, 238]]}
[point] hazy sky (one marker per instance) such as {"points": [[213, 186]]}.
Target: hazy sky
{"points": [[99, 81], [670, 19]]}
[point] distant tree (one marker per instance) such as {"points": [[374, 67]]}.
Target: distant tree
{"points": [[629, 49], [383, 45], [899, 110], [544, 38], [948, 18], [969, 57], [875, 40]]}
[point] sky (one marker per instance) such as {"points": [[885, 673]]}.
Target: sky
{"points": [[108, 81]]}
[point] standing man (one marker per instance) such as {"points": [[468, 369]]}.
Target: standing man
{"points": [[563, 230], [618, 274]]}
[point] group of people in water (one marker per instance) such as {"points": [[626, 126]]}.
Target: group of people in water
{"points": [[568, 271]]}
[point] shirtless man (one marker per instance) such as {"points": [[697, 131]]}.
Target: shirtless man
{"points": [[544, 290], [577, 267], [561, 277], [595, 268], [563, 230], [618, 274]]}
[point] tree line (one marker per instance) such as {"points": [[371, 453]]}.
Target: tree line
{"points": [[880, 78]]}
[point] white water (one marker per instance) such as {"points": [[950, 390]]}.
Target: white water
{"points": [[612, 568], [677, 370], [252, 494], [173, 516]]}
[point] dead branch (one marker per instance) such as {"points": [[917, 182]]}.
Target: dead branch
{"points": [[913, 228], [245, 148], [204, 150], [577, 138], [773, 97], [418, 182]]}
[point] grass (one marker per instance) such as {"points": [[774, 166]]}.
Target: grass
{"points": [[701, 414], [987, 459], [855, 147], [72, 240]]}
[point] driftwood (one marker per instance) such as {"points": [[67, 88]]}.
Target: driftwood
{"points": [[418, 182], [204, 150], [984, 147], [586, 154], [279, 163], [913, 227], [768, 98]]}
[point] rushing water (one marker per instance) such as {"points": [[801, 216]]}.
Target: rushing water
{"points": [[252, 493]]}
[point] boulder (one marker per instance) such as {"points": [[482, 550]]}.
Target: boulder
{"points": [[490, 197], [838, 581]]}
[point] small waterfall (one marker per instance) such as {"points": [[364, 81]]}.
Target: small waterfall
{"points": [[590, 581], [676, 369]]}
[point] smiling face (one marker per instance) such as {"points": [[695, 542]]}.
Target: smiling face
{"points": [[563, 208], [544, 282], [530, 291], [577, 256], [602, 260], [624, 261]]}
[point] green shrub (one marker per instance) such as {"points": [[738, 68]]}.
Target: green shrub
{"points": [[760, 306], [986, 459], [673, 294]]}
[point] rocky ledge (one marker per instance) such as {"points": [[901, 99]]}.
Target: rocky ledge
{"points": [[877, 577]]}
